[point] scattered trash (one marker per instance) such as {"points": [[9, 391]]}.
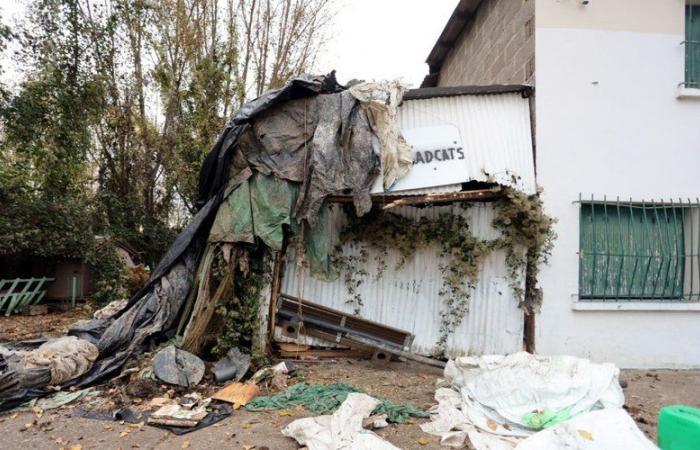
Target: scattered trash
{"points": [[341, 430], [275, 376], [157, 402], [177, 416], [232, 366], [499, 401], [375, 422], [125, 415], [175, 366], [237, 393], [57, 400], [190, 400], [216, 414], [110, 310], [326, 399]]}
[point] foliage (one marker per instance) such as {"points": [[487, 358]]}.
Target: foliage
{"points": [[111, 277], [525, 229], [120, 102], [524, 224], [239, 311]]}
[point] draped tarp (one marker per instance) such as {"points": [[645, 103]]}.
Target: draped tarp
{"points": [[272, 167]]}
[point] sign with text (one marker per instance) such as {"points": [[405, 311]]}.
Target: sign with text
{"points": [[439, 159]]}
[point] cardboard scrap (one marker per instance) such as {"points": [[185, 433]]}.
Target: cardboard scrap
{"points": [[237, 393]]}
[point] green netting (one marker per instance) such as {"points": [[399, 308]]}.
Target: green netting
{"points": [[326, 399]]}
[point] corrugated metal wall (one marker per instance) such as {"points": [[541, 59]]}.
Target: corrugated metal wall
{"points": [[408, 298], [495, 131]]}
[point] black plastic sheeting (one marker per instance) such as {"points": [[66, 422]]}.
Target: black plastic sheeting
{"points": [[325, 143]]}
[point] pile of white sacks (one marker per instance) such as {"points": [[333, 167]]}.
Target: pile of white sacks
{"points": [[528, 402]]}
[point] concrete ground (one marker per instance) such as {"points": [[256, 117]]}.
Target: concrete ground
{"points": [[647, 391]]}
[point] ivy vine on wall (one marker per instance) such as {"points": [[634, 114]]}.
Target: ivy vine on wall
{"points": [[525, 230]]}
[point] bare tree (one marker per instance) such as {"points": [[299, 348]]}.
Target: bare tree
{"points": [[278, 39]]}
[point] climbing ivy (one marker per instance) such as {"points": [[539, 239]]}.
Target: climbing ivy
{"points": [[525, 229], [239, 309], [524, 224]]}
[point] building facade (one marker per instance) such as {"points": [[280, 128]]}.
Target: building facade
{"points": [[617, 106]]}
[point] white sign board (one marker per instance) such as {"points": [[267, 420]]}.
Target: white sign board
{"points": [[439, 159]]}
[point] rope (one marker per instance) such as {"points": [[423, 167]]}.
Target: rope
{"points": [[300, 246]]}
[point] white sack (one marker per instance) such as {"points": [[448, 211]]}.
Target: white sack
{"points": [[341, 430], [489, 396], [605, 429], [68, 357]]}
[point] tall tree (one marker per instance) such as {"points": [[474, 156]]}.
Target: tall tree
{"points": [[123, 99], [47, 136]]}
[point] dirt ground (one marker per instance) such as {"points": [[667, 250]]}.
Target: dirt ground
{"points": [[647, 391], [19, 327]]}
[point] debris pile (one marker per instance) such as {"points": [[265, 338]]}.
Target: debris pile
{"points": [[523, 401], [266, 179]]}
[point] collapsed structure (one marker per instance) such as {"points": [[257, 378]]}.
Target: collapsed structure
{"points": [[309, 196]]}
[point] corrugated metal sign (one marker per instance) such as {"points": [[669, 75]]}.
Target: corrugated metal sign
{"points": [[408, 298], [468, 138]]}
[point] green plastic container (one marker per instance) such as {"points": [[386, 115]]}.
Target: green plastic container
{"points": [[679, 428]]}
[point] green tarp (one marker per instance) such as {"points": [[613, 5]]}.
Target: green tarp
{"points": [[234, 219], [261, 206]]}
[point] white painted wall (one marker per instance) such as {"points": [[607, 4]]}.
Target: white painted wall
{"points": [[609, 123]]}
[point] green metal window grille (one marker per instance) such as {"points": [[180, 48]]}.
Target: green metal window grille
{"points": [[692, 46], [639, 250]]}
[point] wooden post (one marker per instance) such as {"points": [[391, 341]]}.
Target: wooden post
{"points": [[277, 273]]}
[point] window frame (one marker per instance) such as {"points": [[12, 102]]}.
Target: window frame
{"points": [[681, 257], [691, 42]]}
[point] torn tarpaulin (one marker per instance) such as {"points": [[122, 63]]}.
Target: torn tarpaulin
{"points": [[311, 133], [381, 100]]}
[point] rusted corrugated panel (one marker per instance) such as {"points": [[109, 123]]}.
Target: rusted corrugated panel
{"points": [[408, 298], [494, 129], [446, 189]]}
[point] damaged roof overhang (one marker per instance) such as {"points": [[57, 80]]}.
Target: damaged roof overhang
{"points": [[461, 17], [451, 91]]}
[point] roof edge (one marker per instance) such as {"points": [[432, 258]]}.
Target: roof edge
{"points": [[450, 91], [461, 16]]}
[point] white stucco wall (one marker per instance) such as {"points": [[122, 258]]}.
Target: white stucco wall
{"points": [[609, 123]]}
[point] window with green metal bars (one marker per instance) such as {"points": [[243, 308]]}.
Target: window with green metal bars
{"points": [[692, 45], [639, 251]]}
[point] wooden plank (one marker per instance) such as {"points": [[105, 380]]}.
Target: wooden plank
{"points": [[277, 273], [392, 200], [479, 195], [309, 330], [319, 353]]}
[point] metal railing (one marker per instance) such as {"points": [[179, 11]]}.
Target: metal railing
{"points": [[692, 64], [644, 250]]}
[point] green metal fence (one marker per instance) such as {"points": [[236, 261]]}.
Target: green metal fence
{"points": [[648, 250]]}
